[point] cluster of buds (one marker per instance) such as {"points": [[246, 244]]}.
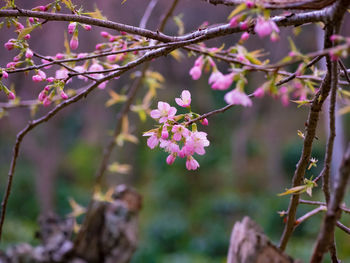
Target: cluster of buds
{"points": [[220, 81], [179, 139]]}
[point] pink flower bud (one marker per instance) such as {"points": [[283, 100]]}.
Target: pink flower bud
{"points": [[170, 159], [5, 75], [19, 26], [47, 88], [37, 78], [259, 92], [74, 43], [205, 122], [17, 58], [11, 65], [64, 95], [245, 36], [111, 58], [249, 3], [9, 45], [87, 27], [82, 55], [11, 95], [50, 79], [99, 46], [59, 56], [26, 37], [29, 53], [71, 27], [234, 21], [42, 95], [104, 34], [47, 101], [31, 19], [244, 25], [112, 39]]}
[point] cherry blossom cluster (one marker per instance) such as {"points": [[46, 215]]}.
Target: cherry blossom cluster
{"points": [[220, 81], [54, 85], [178, 138], [264, 26]]}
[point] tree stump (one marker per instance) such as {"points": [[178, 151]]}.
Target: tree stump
{"points": [[249, 244], [109, 235]]}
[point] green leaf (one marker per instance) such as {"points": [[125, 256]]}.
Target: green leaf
{"points": [[237, 10]]}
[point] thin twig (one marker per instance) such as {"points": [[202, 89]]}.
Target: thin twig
{"points": [[309, 202], [294, 75], [344, 70]]}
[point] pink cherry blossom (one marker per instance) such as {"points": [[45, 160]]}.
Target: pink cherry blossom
{"points": [[179, 131], [191, 163], [164, 112], [238, 97], [61, 74], [169, 146], [196, 143], [81, 69], [283, 93], [265, 27], [223, 82], [185, 100], [195, 72], [27, 36], [214, 76], [153, 140]]}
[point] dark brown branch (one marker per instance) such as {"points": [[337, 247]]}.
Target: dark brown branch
{"points": [[214, 112], [333, 210], [294, 75], [302, 5], [221, 30]]}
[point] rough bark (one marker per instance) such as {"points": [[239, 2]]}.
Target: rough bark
{"points": [[249, 244], [110, 236]]}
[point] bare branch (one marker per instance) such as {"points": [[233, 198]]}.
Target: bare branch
{"points": [[333, 210]]}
